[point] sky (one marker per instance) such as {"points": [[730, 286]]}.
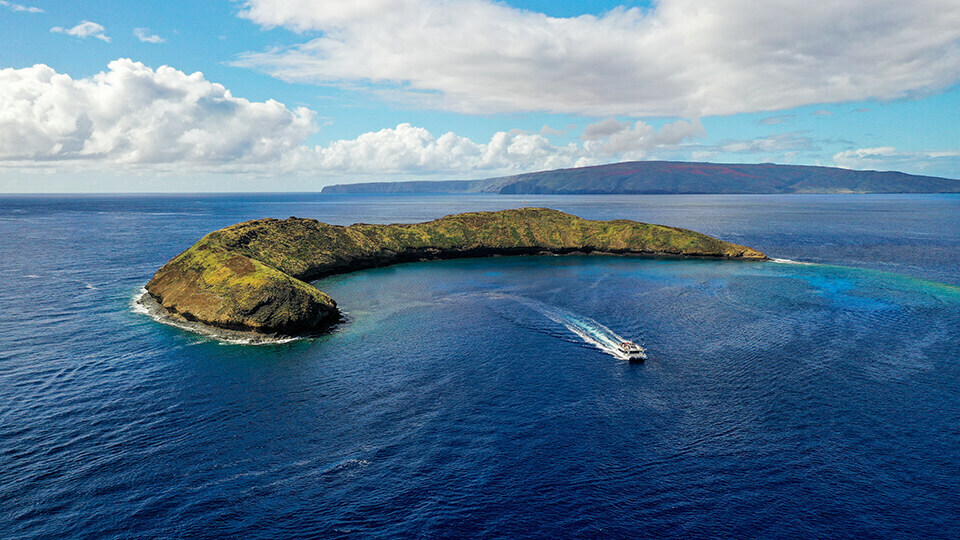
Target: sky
{"points": [[292, 95]]}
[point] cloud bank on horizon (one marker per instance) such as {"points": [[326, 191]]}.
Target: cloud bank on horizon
{"points": [[672, 65], [134, 115]]}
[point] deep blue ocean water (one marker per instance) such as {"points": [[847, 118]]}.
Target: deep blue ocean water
{"points": [[478, 397]]}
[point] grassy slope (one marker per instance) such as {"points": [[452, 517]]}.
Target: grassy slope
{"points": [[307, 249], [214, 285]]}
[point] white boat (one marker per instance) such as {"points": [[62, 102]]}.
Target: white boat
{"points": [[632, 351]]}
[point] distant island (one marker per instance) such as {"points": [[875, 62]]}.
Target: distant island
{"points": [[253, 276], [667, 177]]}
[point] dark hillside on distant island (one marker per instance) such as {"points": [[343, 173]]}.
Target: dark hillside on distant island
{"points": [[667, 177]]}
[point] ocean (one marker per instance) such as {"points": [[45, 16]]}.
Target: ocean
{"points": [[817, 395]]}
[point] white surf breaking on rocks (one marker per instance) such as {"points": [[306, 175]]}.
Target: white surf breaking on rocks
{"points": [[789, 261], [145, 304]]}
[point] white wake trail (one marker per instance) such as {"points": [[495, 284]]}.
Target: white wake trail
{"points": [[789, 261], [587, 329]]}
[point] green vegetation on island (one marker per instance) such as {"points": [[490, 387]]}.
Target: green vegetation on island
{"points": [[253, 276]]}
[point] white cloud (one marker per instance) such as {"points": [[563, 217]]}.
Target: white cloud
{"points": [[680, 57], [84, 30], [144, 35], [778, 147], [132, 117], [612, 137], [134, 114], [19, 7], [855, 156], [603, 129], [409, 149], [937, 163], [779, 143]]}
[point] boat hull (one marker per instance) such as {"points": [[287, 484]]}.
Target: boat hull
{"points": [[632, 352]]}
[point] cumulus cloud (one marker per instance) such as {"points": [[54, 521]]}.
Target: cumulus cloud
{"points": [[603, 129], [613, 137], [84, 30], [410, 149], [144, 35], [939, 163], [134, 114], [19, 7], [685, 58]]}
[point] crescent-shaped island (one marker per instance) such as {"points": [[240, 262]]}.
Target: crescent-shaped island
{"points": [[253, 276]]}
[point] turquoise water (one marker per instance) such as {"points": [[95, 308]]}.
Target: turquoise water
{"points": [[482, 397]]}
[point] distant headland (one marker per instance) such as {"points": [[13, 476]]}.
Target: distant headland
{"points": [[252, 276], [678, 178]]}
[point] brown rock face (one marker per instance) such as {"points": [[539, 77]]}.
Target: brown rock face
{"points": [[250, 276], [210, 284]]}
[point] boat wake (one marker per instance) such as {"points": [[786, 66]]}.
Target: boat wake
{"points": [[588, 330]]}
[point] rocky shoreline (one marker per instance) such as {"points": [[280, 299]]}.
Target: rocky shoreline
{"points": [[146, 304]]}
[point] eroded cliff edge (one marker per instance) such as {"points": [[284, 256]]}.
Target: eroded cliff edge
{"points": [[253, 276]]}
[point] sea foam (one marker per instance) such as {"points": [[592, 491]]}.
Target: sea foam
{"points": [[143, 303]]}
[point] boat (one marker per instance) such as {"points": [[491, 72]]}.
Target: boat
{"points": [[632, 351]]}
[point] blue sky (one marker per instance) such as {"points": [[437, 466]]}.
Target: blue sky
{"points": [[296, 94]]}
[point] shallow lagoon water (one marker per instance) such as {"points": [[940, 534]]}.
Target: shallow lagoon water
{"points": [[779, 399]]}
